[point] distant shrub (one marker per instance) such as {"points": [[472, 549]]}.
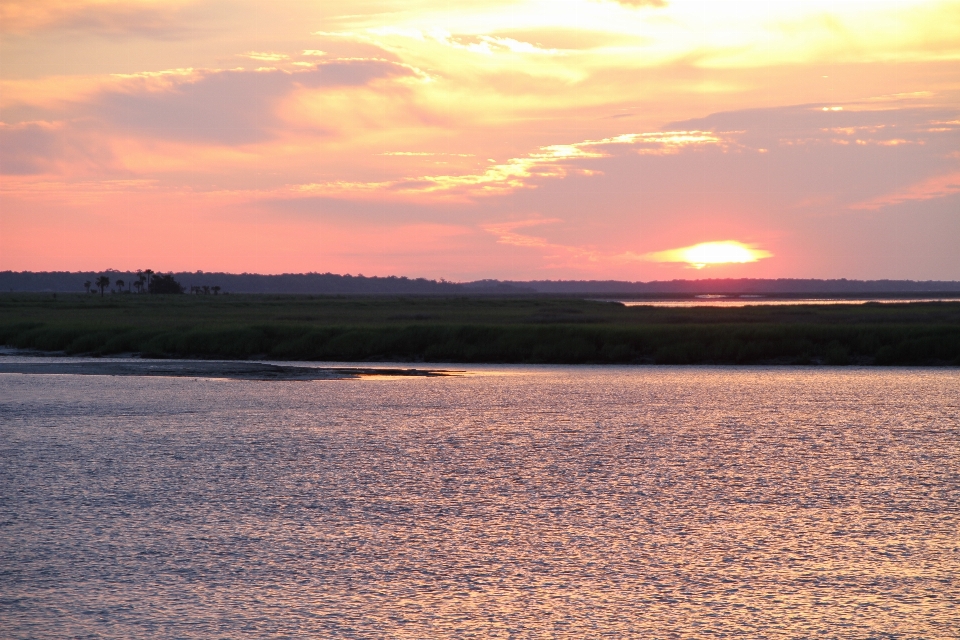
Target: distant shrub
{"points": [[164, 283]]}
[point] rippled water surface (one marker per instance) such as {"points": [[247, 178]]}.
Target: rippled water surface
{"points": [[512, 502], [753, 301]]}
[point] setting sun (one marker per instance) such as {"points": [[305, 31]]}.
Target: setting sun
{"points": [[701, 255]]}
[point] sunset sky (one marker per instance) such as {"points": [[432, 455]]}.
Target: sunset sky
{"points": [[524, 139]]}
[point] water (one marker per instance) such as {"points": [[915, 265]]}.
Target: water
{"points": [[514, 502], [753, 301]]}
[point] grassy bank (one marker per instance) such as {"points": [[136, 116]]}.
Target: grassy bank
{"points": [[479, 329]]}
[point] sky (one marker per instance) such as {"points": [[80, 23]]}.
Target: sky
{"points": [[522, 139]]}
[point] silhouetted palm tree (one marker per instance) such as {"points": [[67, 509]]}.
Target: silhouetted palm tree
{"points": [[216, 290], [87, 285], [138, 284], [102, 283], [120, 284]]}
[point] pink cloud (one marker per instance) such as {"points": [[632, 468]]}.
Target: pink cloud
{"points": [[936, 187], [228, 107], [29, 148]]}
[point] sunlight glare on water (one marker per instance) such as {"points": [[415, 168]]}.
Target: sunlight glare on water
{"points": [[550, 502], [761, 301]]}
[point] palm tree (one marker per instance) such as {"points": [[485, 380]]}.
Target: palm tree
{"points": [[138, 284], [87, 285], [120, 284], [216, 290], [148, 275], [102, 283]]}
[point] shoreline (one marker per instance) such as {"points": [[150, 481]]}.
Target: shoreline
{"points": [[254, 368], [216, 369]]}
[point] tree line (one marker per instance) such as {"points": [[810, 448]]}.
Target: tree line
{"points": [[147, 281]]}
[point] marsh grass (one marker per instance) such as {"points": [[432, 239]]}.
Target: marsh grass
{"points": [[480, 329]]}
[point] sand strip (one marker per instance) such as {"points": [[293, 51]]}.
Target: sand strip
{"points": [[211, 369]]}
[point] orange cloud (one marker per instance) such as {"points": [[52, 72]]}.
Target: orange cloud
{"points": [[96, 16], [551, 161]]}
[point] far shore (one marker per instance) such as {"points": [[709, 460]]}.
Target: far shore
{"points": [[481, 330]]}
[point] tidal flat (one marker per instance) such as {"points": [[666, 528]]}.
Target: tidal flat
{"points": [[227, 370], [480, 329]]}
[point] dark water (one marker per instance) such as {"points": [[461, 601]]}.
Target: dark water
{"points": [[517, 502]]}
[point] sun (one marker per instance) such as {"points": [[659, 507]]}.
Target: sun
{"points": [[704, 254]]}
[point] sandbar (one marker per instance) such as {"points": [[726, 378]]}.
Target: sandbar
{"points": [[212, 369]]}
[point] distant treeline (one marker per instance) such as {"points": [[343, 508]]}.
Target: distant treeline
{"points": [[306, 283], [334, 284], [757, 286]]}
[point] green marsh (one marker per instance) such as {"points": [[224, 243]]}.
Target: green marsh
{"points": [[531, 329]]}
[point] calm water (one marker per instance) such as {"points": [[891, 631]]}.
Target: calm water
{"points": [[752, 301], [513, 502]]}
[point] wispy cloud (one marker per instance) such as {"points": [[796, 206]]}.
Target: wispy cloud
{"points": [[482, 43], [266, 56], [936, 187], [506, 233], [552, 161], [555, 255], [642, 3]]}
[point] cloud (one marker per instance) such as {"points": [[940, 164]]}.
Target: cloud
{"points": [[226, 107], [811, 120], [27, 148], [570, 39], [506, 232], [103, 17], [552, 161], [134, 119], [862, 158], [556, 255], [636, 4], [266, 56], [33, 148], [485, 44], [932, 188]]}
